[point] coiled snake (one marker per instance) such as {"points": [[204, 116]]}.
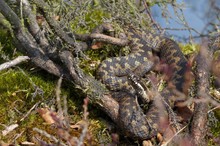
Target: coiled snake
{"points": [[113, 72]]}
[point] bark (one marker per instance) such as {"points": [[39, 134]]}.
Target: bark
{"points": [[199, 127], [33, 26]]}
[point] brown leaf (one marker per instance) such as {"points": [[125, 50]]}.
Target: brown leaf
{"points": [[97, 45], [46, 115], [147, 143]]}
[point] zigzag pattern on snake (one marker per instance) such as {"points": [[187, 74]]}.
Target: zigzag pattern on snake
{"points": [[113, 73]]}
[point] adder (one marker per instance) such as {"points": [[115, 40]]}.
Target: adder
{"points": [[114, 72]]}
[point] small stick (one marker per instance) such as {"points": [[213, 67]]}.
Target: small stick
{"points": [[33, 107], [14, 62]]}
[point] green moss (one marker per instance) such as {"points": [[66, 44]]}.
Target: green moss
{"points": [[6, 46], [215, 130], [16, 99], [92, 18], [15, 92]]}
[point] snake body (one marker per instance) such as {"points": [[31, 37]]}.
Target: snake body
{"points": [[113, 73]]}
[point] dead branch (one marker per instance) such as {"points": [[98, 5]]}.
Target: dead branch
{"points": [[96, 91], [14, 62], [53, 138], [28, 113], [151, 18], [30, 47], [109, 39], [33, 26], [45, 8], [198, 129]]}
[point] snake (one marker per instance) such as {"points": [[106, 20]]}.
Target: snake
{"points": [[114, 72]]}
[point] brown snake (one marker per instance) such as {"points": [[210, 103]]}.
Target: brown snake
{"points": [[113, 73]]}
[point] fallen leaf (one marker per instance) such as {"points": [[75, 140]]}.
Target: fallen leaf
{"points": [[147, 143], [46, 115], [97, 45]]}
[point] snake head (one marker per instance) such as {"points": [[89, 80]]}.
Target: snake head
{"points": [[139, 87]]}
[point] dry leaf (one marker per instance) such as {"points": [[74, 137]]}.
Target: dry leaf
{"points": [[13, 94], [46, 115], [147, 143], [97, 45]]}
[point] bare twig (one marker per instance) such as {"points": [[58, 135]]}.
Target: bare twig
{"points": [[58, 92], [29, 45], [33, 27], [49, 136], [151, 18], [14, 62], [109, 39], [33, 107], [168, 141], [52, 22], [18, 135], [86, 124], [217, 107]]}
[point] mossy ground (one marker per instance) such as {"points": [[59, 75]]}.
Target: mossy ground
{"points": [[17, 90]]}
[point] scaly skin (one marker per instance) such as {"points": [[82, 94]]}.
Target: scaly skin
{"points": [[113, 73]]}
